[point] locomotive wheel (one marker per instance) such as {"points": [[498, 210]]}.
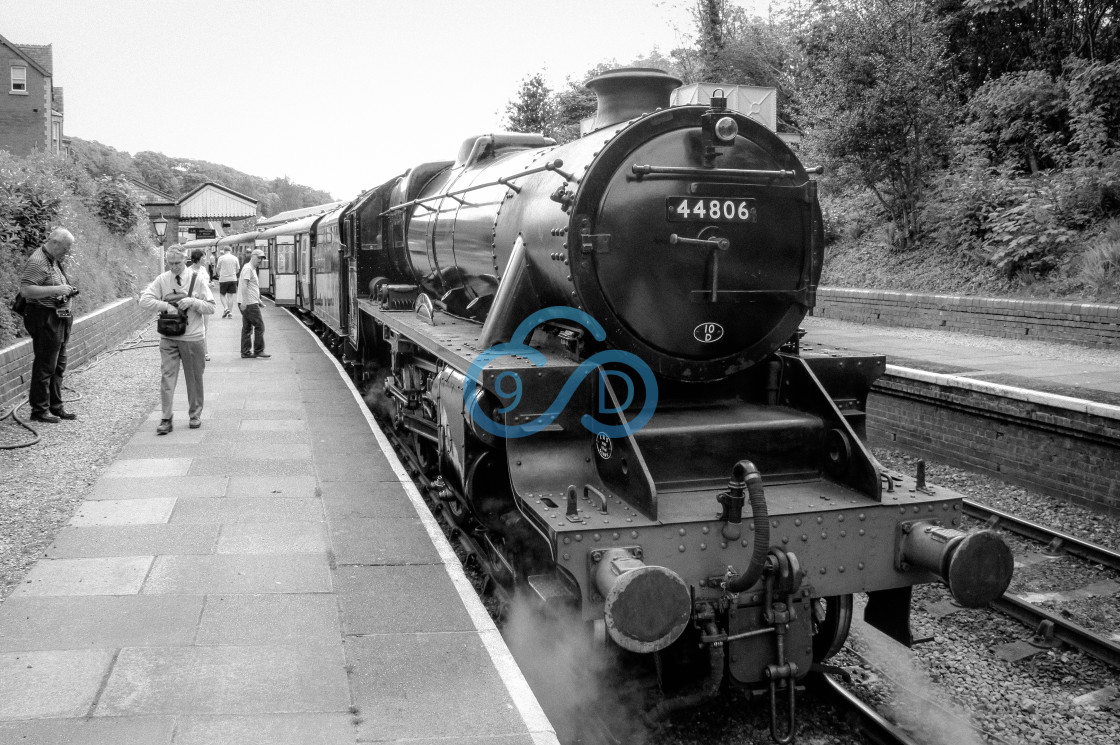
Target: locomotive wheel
{"points": [[832, 620]]}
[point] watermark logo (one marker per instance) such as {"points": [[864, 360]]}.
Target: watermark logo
{"points": [[510, 389]]}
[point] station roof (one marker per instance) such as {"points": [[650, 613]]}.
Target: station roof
{"points": [[210, 201], [283, 217]]}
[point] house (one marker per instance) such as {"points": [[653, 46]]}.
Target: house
{"points": [[30, 103]]}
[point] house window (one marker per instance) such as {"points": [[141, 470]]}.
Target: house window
{"points": [[56, 137], [19, 79]]}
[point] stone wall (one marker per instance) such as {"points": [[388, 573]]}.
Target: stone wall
{"points": [[1090, 324], [92, 334]]}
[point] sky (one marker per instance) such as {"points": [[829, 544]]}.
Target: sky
{"points": [[338, 95]]}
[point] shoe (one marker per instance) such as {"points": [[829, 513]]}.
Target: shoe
{"points": [[64, 414], [195, 423], [207, 358], [248, 356], [262, 356], [227, 314], [46, 417], [164, 427]]}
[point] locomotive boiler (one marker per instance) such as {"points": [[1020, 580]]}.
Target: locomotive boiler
{"points": [[589, 354]]}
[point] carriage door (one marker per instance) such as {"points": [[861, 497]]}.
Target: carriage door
{"points": [[303, 249]]}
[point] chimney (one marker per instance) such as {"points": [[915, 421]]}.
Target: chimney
{"points": [[628, 92]]}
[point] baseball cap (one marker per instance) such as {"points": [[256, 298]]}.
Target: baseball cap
{"points": [[258, 252]]}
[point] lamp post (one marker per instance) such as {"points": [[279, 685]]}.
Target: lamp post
{"points": [[160, 225]]}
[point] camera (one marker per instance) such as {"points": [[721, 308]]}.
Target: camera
{"points": [[74, 291]]}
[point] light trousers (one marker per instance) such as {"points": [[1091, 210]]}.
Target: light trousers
{"points": [[192, 356]]}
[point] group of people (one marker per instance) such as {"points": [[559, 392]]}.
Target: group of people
{"points": [[183, 289]]}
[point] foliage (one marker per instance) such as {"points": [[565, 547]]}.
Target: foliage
{"points": [[43, 191], [532, 109], [878, 87], [177, 176], [1098, 267], [118, 206], [1019, 117]]}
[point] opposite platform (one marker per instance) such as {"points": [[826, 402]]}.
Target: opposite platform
{"points": [[272, 577]]}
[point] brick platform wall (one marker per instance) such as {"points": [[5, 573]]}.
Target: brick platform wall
{"points": [[1090, 324], [1072, 453], [92, 334]]}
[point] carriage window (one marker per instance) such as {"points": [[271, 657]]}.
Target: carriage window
{"points": [[285, 258]]}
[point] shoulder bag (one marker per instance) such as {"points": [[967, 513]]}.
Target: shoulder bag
{"points": [[175, 323]]}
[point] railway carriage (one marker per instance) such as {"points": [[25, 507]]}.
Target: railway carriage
{"points": [[289, 256], [241, 245]]}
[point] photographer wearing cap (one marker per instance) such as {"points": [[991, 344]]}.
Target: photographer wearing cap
{"points": [[249, 302], [178, 291], [48, 320]]}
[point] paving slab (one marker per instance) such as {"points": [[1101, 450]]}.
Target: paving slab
{"points": [[354, 467], [103, 512], [382, 503], [400, 680], [384, 600], [238, 573], [382, 542], [255, 464], [83, 731], [273, 538], [107, 622], [261, 448], [255, 620], [274, 404], [134, 540], [123, 575], [275, 729], [225, 680], [56, 683], [149, 467], [247, 510], [363, 444], [273, 425], [342, 425], [271, 486], [261, 415], [236, 439], [145, 488]]}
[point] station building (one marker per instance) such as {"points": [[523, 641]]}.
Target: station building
{"points": [[31, 105]]}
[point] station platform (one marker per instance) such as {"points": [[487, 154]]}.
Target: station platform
{"points": [[270, 578], [1014, 368]]}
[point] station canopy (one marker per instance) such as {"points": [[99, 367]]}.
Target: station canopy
{"points": [[210, 201]]}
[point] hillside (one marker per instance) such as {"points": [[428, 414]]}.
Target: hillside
{"points": [[179, 175]]}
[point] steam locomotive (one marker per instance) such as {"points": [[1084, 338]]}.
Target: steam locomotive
{"points": [[590, 355]]}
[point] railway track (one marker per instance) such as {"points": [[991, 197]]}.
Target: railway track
{"points": [[1050, 626]]}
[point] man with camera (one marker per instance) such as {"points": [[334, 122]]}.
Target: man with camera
{"points": [[48, 319], [184, 300]]}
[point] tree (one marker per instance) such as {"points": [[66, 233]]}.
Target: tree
{"points": [[531, 110], [881, 98]]}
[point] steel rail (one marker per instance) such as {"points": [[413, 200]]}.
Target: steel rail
{"points": [[1072, 634], [1055, 540], [874, 725]]}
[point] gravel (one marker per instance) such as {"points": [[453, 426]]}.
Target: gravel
{"points": [[43, 484]]}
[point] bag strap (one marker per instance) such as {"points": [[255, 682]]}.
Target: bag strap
{"points": [[190, 290]]}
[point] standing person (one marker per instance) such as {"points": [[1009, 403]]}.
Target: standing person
{"points": [[198, 264], [172, 291], [249, 303], [228, 268], [48, 320]]}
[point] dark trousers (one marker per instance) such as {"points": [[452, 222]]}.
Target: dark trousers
{"points": [[49, 335], [252, 321]]}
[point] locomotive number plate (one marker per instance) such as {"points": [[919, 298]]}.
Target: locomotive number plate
{"points": [[693, 209]]}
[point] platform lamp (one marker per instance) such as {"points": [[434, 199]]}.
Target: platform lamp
{"points": [[160, 225]]}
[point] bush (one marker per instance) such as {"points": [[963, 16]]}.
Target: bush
{"points": [[1099, 266], [117, 205], [41, 192]]}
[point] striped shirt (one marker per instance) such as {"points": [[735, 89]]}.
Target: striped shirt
{"points": [[43, 271]]}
